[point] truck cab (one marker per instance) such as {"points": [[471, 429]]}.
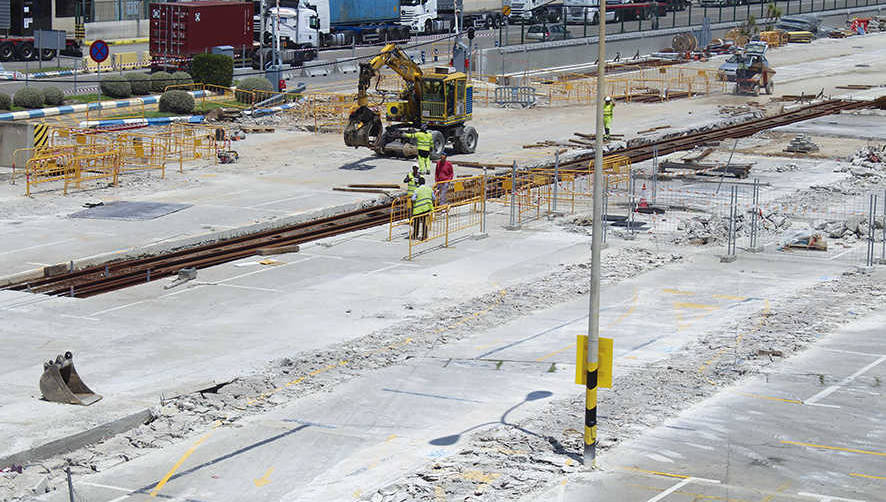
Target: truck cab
{"points": [[420, 16], [299, 28], [588, 11]]}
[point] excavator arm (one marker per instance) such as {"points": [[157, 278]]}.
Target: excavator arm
{"points": [[364, 124]]}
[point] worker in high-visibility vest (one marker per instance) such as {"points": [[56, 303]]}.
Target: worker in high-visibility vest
{"points": [[422, 207], [424, 143], [413, 180], [608, 107]]}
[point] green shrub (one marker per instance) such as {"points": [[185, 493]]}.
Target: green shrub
{"points": [[182, 77], [252, 84], [176, 101], [116, 86], [53, 96], [140, 83], [215, 69], [28, 97], [160, 80], [5, 101]]}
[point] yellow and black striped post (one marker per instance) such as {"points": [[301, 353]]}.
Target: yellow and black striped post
{"points": [[590, 452], [41, 135], [594, 362]]}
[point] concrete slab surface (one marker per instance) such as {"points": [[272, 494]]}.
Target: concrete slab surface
{"points": [[809, 429]]}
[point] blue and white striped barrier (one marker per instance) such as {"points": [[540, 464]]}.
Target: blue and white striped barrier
{"points": [[191, 119], [101, 105], [50, 74], [268, 111]]}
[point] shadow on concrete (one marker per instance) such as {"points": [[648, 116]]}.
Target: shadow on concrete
{"points": [[532, 396], [360, 165]]}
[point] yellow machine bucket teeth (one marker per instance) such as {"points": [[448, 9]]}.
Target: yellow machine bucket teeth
{"points": [[60, 383]]}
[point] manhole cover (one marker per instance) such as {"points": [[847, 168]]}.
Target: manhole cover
{"points": [[125, 210]]}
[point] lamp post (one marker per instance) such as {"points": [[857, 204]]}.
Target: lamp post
{"points": [[590, 429]]}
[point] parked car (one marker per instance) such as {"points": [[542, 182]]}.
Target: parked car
{"points": [[545, 33]]}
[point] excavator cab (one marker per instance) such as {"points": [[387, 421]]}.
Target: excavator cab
{"points": [[447, 99]]}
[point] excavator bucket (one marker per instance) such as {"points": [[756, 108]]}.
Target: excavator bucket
{"points": [[60, 383], [364, 128]]}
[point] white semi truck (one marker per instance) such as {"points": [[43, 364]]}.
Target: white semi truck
{"points": [[439, 16]]}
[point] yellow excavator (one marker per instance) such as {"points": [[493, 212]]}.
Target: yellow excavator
{"points": [[442, 101]]}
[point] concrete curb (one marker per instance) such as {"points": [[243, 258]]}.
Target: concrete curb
{"points": [[78, 440], [197, 240], [101, 105]]}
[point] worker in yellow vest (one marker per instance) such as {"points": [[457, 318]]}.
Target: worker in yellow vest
{"points": [[413, 180], [608, 107], [424, 143], [422, 207]]}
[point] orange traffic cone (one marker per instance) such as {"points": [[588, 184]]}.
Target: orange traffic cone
{"points": [[643, 204]]}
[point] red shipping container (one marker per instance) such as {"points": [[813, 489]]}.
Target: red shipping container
{"points": [[181, 30]]}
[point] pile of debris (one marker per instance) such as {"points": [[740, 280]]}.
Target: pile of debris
{"points": [[801, 144], [850, 229], [705, 229], [733, 111], [871, 157]]}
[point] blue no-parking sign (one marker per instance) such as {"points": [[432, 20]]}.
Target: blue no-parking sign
{"points": [[99, 51]]}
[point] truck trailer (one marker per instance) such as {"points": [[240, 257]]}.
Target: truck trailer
{"points": [[337, 23], [181, 30], [439, 16], [18, 20]]}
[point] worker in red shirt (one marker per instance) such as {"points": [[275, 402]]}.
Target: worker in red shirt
{"points": [[442, 176]]}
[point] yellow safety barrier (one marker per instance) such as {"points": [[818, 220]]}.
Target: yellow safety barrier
{"points": [[136, 111], [463, 210], [193, 142], [71, 164], [92, 67], [142, 152], [125, 61]]}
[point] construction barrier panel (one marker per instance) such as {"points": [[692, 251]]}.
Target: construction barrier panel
{"points": [[461, 211], [142, 152]]}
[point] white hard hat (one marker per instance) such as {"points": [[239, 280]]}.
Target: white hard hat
{"points": [[608, 99]]}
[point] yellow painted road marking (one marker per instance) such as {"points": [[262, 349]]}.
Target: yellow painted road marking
{"points": [[771, 398], [262, 481], [657, 473], [677, 292], [780, 489], [481, 477], [857, 475], [699, 306], [837, 448], [181, 461], [729, 297]]}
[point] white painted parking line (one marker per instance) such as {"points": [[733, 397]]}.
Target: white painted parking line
{"points": [[268, 203], [670, 490], [79, 317], [109, 487], [833, 388], [679, 485], [112, 309], [855, 352], [35, 247], [383, 269], [827, 498]]}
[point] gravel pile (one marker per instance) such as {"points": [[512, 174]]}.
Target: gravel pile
{"points": [[537, 452]]}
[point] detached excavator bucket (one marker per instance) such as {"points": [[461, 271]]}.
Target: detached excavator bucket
{"points": [[60, 383], [364, 128]]}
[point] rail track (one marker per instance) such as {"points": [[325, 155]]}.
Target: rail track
{"points": [[111, 276]]}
